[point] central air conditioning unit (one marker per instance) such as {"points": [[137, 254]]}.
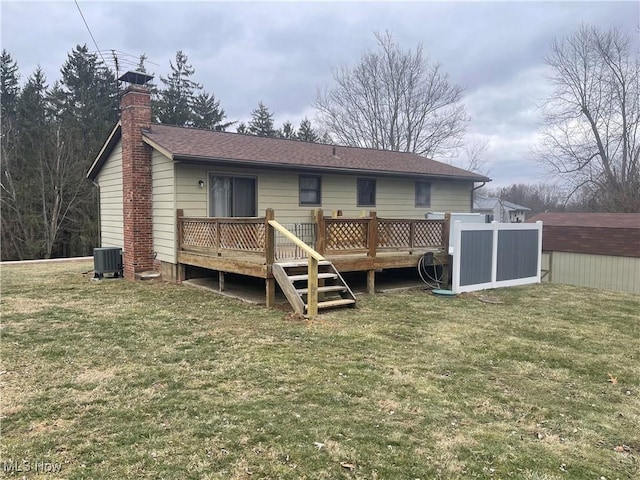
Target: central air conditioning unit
{"points": [[107, 260]]}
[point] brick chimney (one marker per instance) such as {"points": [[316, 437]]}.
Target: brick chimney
{"points": [[135, 107]]}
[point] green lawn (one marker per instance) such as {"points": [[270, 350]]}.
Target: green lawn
{"points": [[117, 379]]}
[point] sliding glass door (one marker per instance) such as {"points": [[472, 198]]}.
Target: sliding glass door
{"points": [[232, 196]]}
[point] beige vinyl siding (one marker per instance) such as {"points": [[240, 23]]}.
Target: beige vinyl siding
{"points": [[111, 217], [164, 207], [395, 197], [189, 196], [598, 271]]}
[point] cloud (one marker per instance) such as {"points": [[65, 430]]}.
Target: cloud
{"points": [[281, 52]]}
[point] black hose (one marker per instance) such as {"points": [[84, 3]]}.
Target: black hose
{"points": [[422, 268]]}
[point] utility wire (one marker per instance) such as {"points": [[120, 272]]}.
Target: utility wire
{"points": [[89, 30]]}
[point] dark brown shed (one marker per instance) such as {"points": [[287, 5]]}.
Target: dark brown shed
{"points": [[616, 234]]}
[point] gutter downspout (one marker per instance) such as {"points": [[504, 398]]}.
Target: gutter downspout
{"points": [[473, 189], [99, 213]]}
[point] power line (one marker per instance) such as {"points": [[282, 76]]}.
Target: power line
{"points": [[118, 59], [136, 57], [89, 30]]}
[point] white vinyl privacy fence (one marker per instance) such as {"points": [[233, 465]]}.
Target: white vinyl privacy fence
{"points": [[495, 255]]}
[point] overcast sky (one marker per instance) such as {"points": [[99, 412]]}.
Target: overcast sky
{"points": [[281, 53]]}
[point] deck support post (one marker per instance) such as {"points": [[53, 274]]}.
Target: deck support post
{"points": [[371, 282], [270, 291], [372, 234], [181, 273], [270, 256], [312, 295], [372, 244], [321, 234], [221, 281], [180, 270]]}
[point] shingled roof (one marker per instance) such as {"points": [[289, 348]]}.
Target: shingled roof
{"points": [[616, 234], [602, 220], [206, 146], [489, 203]]}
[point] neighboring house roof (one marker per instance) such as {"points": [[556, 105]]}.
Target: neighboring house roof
{"points": [[489, 203], [604, 220], [616, 234], [207, 146]]}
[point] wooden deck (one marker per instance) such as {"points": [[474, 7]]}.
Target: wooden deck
{"points": [[250, 246]]}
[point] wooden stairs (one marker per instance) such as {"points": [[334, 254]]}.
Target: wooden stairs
{"points": [[293, 279]]}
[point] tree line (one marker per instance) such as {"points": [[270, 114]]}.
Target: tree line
{"points": [[182, 101], [540, 198], [51, 134], [392, 98]]}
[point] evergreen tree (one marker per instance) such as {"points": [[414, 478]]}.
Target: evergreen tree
{"points": [[49, 138], [9, 92], [306, 133], [175, 102], [287, 131], [30, 179], [90, 97], [9, 89], [208, 114], [10, 187], [141, 68], [242, 128], [83, 109], [326, 138], [31, 120], [261, 123]]}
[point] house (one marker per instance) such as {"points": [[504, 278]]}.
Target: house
{"points": [[166, 189], [599, 250], [500, 210]]}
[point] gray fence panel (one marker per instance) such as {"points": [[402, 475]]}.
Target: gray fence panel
{"points": [[476, 248], [517, 254]]}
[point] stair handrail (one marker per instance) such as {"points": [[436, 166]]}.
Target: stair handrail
{"points": [[312, 267]]}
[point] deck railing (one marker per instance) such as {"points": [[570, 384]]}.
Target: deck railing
{"points": [[327, 235], [372, 234], [213, 235], [287, 250], [409, 234], [347, 235]]}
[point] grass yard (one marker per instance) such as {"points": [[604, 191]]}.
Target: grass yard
{"points": [[115, 380]]}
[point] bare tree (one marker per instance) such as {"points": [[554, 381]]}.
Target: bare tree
{"points": [[540, 197], [592, 119], [474, 157], [394, 100]]}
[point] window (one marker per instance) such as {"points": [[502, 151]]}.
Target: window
{"points": [[310, 190], [423, 194], [232, 196], [366, 192]]}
